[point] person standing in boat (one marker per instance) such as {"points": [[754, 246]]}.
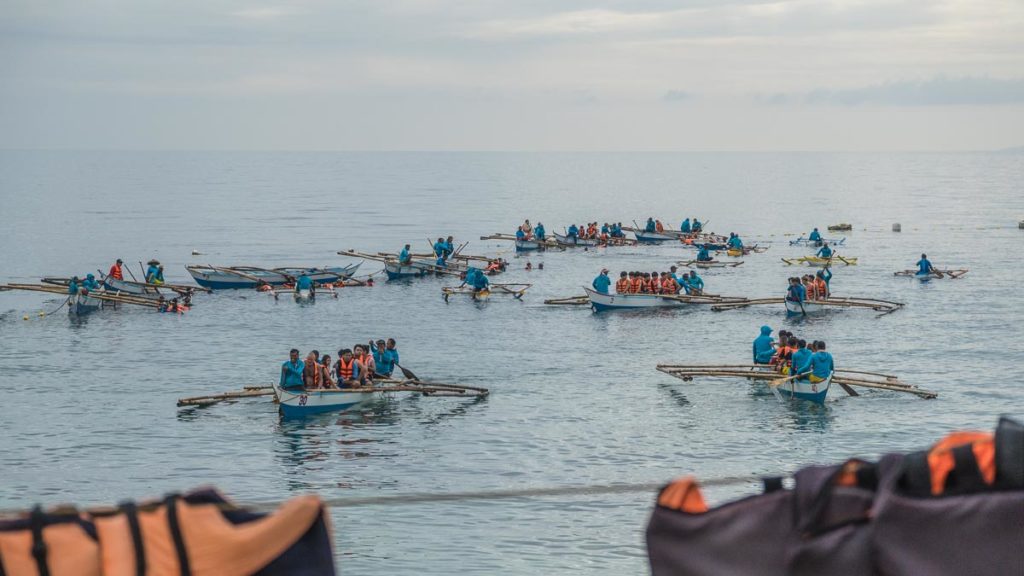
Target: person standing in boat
{"points": [[764, 346], [115, 270], [440, 251], [651, 226], [404, 258], [291, 371], [449, 247], [815, 237], [346, 370], [304, 282], [602, 282], [822, 364], [825, 252], [685, 226], [539, 233], [703, 255], [924, 266]]}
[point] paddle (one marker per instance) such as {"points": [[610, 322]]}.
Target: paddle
{"points": [[128, 268], [780, 381], [407, 373], [938, 273]]}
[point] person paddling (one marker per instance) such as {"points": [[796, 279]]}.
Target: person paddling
{"points": [[291, 371], [924, 266], [764, 346], [822, 364], [703, 255], [796, 292], [404, 258], [602, 282], [825, 252]]}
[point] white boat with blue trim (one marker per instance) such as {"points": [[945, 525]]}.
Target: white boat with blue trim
{"points": [[574, 240], [645, 237], [803, 308], [81, 304], [243, 277], [601, 302], [802, 389], [297, 403]]}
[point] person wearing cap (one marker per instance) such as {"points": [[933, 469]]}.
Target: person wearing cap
{"points": [[155, 272], [602, 282], [115, 270]]}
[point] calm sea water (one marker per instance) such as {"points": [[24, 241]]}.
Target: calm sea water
{"points": [[89, 406]]}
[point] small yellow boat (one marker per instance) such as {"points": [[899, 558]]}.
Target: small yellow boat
{"points": [[821, 262]]}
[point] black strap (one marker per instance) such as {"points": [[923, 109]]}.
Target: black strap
{"points": [[966, 476], [1009, 454], [772, 483], [38, 544], [916, 478], [131, 512], [171, 502], [867, 476]]}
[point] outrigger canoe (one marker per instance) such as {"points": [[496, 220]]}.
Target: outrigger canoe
{"points": [[242, 277], [515, 290], [574, 240], [925, 277], [601, 302], [709, 263], [821, 262], [293, 403], [644, 237], [81, 304], [803, 308], [802, 389], [801, 241]]}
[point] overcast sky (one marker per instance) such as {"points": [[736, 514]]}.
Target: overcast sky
{"points": [[513, 75]]}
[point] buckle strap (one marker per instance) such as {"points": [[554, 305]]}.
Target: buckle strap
{"points": [[37, 520], [131, 513], [171, 501]]}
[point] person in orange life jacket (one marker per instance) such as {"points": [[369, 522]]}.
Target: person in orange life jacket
{"points": [[807, 281], [326, 378], [824, 276], [346, 370], [637, 283], [311, 372], [622, 284], [115, 270], [291, 371], [364, 359], [669, 284]]}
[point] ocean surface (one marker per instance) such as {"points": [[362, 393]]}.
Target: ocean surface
{"points": [[89, 410]]}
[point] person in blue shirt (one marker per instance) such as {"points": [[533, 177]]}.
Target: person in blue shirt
{"points": [[440, 250], [291, 371], [734, 241], [815, 237], [73, 285], [825, 251], [697, 226], [685, 226], [449, 247], [703, 255], [696, 282], [821, 364], [155, 272], [480, 283], [90, 283], [520, 235], [304, 282], [764, 347], [605, 230], [539, 231], [924, 266], [573, 232], [801, 359], [651, 226], [602, 282], [796, 292], [617, 230], [384, 357], [404, 258]]}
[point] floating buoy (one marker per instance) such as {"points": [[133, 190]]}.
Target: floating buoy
{"points": [[896, 227], [41, 314], [196, 253], [25, 317]]}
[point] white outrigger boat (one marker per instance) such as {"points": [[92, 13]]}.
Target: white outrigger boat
{"points": [[644, 237], [297, 403], [600, 302], [81, 304], [802, 389], [803, 308], [801, 241], [574, 240], [242, 277]]}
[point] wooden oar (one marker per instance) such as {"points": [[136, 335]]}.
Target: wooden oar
{"points": [[407, 373], [781, 381]]}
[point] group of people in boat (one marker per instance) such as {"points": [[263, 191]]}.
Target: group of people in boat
{"points": [[592, 232], [444, 248], [651, 282], [810, 286], [693, 227], [526, 231], [355, 367], [792, 355]]}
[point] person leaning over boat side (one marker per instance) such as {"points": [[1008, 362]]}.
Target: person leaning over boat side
{"points": [[404, 258], [304, 282], [90, 283], [539, 232], [821, 363], [291, 371], [924, 266], [800, 361], [703, 255], [115, 270], [764, 346], [602, 282], [825, 252], [346, 370]]}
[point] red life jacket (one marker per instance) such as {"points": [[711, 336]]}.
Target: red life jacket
{"points": [[115, 272], [622, 286], [346, 372], [636, 285]]}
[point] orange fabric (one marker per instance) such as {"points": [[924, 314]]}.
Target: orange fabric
{"points": [[115, 272], [669, 286], [71, 552], [658, 226], [215, 547], [941, 463], [622, 285], [636, 285], [346, 370], [848, 475], [652, 286], [683, 495], [821, 287]]}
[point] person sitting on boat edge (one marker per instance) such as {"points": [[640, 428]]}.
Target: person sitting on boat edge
{"points": [[291, 371], [821, 363], [573, 232], [362, 355], [764, 346], [685, 226], [304, 282], [650, 226], [73, 285], [815, 237], [734, 241], [346, 370], [311, 371], [115, 270], [696, 283], [696, 226], [155, 272], [384, 357], [404, 258], [326, 379], [602, 282], [480, 283], [539, 232], [825, 252], [924, 266], [800, 361], [795, 292], [703, 255], [449, 247], [90, 283]]}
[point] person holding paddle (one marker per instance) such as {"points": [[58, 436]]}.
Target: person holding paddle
{"points": [[822, 364], [924, 266], [825, 252], [796, 291]]}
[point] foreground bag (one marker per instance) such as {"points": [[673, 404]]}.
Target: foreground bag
{"points": [[955, 509], [199, 534]]}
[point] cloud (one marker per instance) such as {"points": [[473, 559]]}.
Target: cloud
{"points": [[938, 91]]}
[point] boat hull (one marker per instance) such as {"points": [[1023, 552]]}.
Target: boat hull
{"points": [[298, 404], [82, 304], [115, 285], [808, 307], [397, 272], [303, 296], [574, 241], [603, 302], [806, 242], [803, 390], [653, 237], [527, 245], [221, 280]]}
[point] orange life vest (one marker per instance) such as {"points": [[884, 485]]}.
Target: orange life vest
{"points": [[812, 291], [622, 286], [653, 286], [115, 272], [345, 371], [658, 226], [669, 286], [636, 285], [822, 288]]}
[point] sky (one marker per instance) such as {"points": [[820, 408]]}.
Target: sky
{"points": [[743, 75]]}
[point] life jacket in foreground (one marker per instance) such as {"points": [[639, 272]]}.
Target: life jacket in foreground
{"points": [[199, 534], [955, 509]]}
